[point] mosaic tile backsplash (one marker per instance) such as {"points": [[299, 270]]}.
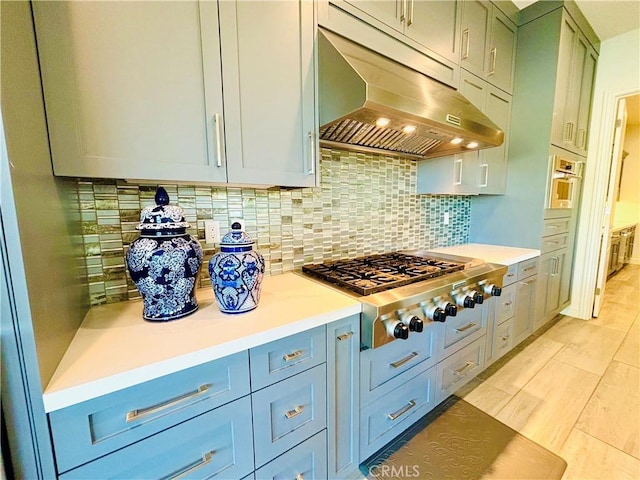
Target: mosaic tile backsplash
{"points": [[366, 204]]}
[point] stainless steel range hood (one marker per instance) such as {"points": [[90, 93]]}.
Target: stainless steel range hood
{"points": [[426, 119]]}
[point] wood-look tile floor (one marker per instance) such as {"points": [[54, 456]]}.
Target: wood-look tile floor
{"points": [[575, 387]]}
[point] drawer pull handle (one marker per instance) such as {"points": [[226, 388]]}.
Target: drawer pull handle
{"points": [[143, 412], [399, 363], [345, 336], [505, 338], [466, 327], [206, 458], [292, 356], [529, 268], [402, 411], [530, 282], [461, 371], [295, 412], [507, 304]]}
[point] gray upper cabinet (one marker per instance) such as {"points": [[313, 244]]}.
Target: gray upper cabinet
{"points": [[488, 40], [480, 172], [269, 91], [135, 90], [428, 23], [125, 96], [572, 103]]}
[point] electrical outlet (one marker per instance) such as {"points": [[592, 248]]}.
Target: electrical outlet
{"points": [[240, 221], [211, 231], [446, 218]]}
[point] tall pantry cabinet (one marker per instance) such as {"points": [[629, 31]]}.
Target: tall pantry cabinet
{"points": [[151, 90], [555, 68]]}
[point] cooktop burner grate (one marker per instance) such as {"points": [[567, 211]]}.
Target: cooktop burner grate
{"points": [[376, 273]]}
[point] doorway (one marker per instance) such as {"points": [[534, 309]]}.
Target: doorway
{"points": [[622, 203]]}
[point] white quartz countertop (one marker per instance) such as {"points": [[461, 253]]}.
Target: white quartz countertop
{"points": [[115, 348], [490, 253]]}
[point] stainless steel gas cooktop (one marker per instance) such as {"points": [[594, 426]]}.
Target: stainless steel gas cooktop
{"points": [[400, 292]]}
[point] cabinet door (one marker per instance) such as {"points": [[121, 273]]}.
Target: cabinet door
{"points": [[390, 12], [476, 16], [434, 24], [523, 318], [584, 104], [124, 90], [343, 398], [454, 174], [493, 161], [269, 97], [502, 49], [568, 37]]}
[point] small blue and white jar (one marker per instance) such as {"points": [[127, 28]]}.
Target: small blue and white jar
{"points": [[236, 272], [164, 262]]}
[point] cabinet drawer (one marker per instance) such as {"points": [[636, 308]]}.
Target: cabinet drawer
{"points": [[99, 426], [554, 226], [503, 339], [506, 303], [307, 461], [459, 368], [280, 359], [289, 412], [511, 276], [555, 242], [383, 369], [391, 414], [464, 328], [216, 444], [527, 268]]}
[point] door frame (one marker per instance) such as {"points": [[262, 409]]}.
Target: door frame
{"points": [[598, 166]]}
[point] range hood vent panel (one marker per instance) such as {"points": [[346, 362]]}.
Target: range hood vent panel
{"points": [[358, 86]]}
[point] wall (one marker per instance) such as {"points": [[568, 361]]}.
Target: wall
{"points": [[366, 204], [627, 209], [617, 76]]}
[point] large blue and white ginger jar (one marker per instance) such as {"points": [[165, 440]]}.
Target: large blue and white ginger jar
{"points": [[236, 272], [164, 262]]}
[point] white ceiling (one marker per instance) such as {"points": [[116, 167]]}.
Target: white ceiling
{"points": [[609, 18]]}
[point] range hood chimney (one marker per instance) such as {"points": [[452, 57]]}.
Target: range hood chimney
{"points": [[371, 103]]}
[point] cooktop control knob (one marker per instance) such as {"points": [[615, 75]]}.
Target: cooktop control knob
{"points": [[397, 329], [478, 298], [449, 308], [464, 299], [415, 324], [491, 289], [434, 312]]}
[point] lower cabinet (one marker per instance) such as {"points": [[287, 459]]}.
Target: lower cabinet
{"points": [[260, 413], [525, 312], [553, 289], [216, 444], [456, 370]]}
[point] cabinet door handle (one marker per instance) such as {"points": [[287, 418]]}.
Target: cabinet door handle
{"points": [[466, 327], [401, 362], [465, 43], [403, 4], [394, 416], [295, 412], [461, 371], [410, 20], [492, 60], [216, 121], [457, 165], [505, 338], [580, 138], [345, 336], [485, 167], [143, 412], [568, 131], [206, 458], [312, 154], [292, 356]]}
